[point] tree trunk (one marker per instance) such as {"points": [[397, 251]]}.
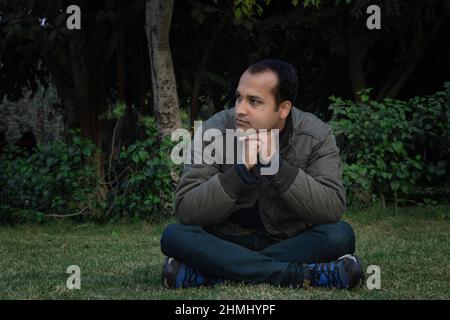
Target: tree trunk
{"points": [[90, 103], [356, 56], [203, 67], [165, 98], [78, 86]]}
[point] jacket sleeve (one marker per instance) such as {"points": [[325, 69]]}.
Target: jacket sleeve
{"points": [[205, 195], [316, 194]]}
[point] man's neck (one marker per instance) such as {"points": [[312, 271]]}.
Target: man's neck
{"points": [[281, 125]]}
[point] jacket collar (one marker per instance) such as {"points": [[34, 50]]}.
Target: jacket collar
{"points": [[286, 134]]}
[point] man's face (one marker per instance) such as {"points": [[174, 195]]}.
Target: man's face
{"points": [[255, 101]]}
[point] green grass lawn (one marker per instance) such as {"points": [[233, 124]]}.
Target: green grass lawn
{"points": [[123, 260]]}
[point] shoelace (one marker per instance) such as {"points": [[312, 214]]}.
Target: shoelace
{"points": [[332, 276], [190, 277]]}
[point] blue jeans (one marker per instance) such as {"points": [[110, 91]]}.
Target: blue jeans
{"points": [[257, 258]]}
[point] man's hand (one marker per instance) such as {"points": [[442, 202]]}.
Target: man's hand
{"points": [[251, 147], [258, 143], [267, 150]]}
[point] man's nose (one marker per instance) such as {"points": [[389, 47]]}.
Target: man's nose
{"points": [[241, 107]]}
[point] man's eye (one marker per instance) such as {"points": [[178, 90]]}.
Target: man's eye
{"points": [[253, 101]]}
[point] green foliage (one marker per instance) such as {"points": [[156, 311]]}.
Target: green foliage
{"points": [[61, 179], [142, 179], [58, 178], [247, 8], [250, 8], [393, 147], [116, 112]]}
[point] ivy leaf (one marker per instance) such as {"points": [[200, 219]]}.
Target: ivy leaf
{"points": [[238, 13], [87, 152], [397, 146], [143, 155], [395, 185]]}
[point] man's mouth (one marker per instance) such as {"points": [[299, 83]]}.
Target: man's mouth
{"points": [[239, 121]]}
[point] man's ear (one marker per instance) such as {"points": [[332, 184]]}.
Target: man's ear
{"points": [[285, 108]]}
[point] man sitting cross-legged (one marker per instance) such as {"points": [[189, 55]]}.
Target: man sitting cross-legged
{"points": [[239, 224]]}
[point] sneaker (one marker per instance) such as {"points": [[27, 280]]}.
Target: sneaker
{"points": [[178, 275], [343, 273]]}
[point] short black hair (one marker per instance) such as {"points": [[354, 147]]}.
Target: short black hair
{"points": [[287, 86]]}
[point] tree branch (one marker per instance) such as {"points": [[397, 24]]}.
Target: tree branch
{"points": [[400, 75], [79, 213]]}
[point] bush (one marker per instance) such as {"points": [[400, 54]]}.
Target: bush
{"points": [[143, 178], [57, 179], [393, 148], [60, 179]]}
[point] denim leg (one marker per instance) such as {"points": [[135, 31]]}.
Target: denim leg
{"points": [[321, 243], [219, 258]]}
